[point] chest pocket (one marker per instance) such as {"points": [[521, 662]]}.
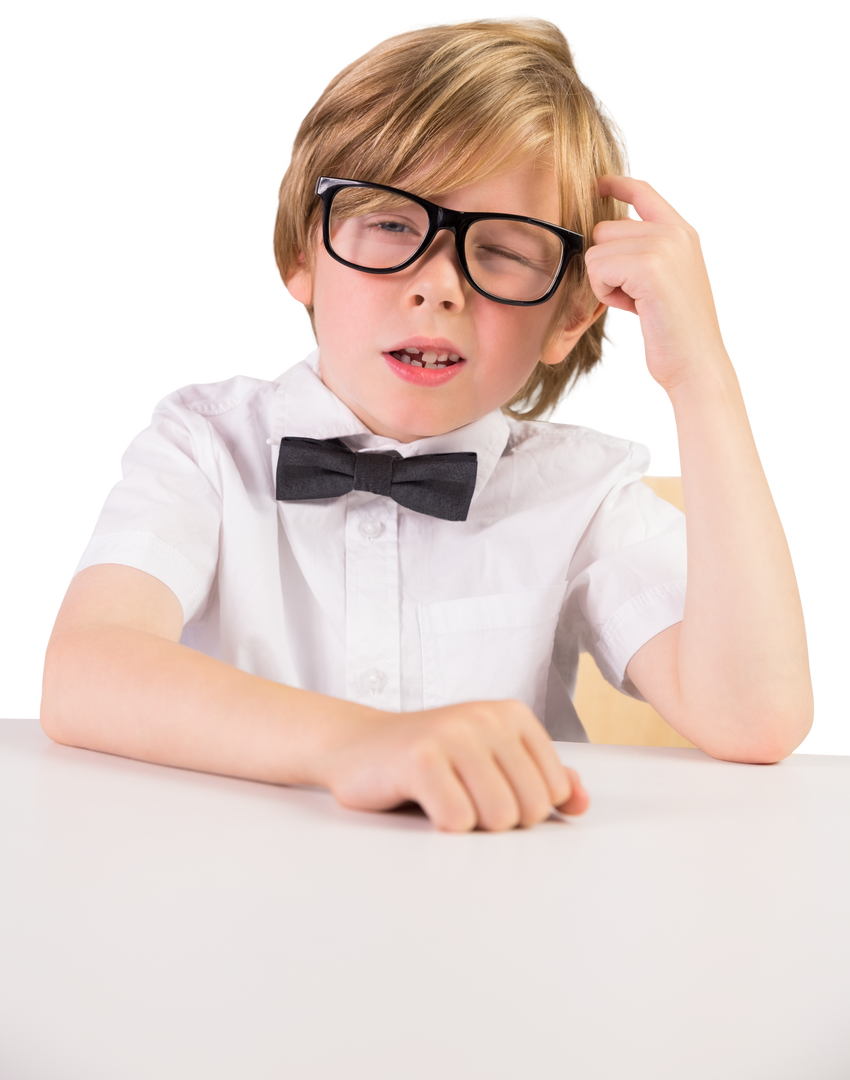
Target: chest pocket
{"points": [[489, 647]]}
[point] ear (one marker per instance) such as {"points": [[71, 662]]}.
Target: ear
{"points": [[564, 337], [300, 282]]}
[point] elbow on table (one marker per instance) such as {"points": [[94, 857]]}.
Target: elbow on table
{"points": [[759, 737], [54, 720], [63, 671], [754, 752]]}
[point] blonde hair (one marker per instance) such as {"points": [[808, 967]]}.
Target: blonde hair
{"points": [[445, 107]]}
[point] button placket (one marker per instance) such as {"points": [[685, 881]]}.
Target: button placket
{"points": [[371, 528], [373, 681], [373, 674]]}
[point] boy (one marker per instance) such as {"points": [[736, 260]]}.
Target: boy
{"points": [[364, 575]]}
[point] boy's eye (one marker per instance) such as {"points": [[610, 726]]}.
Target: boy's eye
{"points": [[389, 226], [399, 228], [377, 236], [485, 252], [531, 245]]}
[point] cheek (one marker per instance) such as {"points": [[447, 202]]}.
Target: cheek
{"points": [[519, 336], [345, 309]]}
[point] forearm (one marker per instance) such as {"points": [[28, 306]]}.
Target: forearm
{"points": [[128, 692], [743, 685], [116, 679]]}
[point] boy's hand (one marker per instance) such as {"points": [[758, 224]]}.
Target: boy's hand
{"points": [[654, 267], [485, 764]]}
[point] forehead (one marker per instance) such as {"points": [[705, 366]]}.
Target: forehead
{"points": [[526, 187]]}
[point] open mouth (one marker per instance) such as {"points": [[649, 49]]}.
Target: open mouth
{"points": [[418, 358]]}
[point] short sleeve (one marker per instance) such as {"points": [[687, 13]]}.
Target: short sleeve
{"points": [[627, 577], [164, 516]]}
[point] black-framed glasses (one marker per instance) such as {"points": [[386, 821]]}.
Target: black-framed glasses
{"points": [[505, 257]]}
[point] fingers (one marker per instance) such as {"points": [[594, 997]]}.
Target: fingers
{"points": [[578, 800], [491, 765], [558, 779], [465, 751], [648, 202], [508, 789], [487, 765], [637, 193], [440, 792]]}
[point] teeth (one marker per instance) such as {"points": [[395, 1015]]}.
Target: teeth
{"points": [[416, 358]]}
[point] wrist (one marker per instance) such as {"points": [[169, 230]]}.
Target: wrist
{"points": [[709, 382], [338, 727]]}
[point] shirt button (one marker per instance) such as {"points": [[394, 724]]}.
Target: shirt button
{"points": [[373, 681], [371, 528]]}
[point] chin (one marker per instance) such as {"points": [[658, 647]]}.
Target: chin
{"points": [[419, 424]]}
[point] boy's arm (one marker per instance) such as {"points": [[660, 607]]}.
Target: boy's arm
{"points": [[116, 679], [733, 676]]}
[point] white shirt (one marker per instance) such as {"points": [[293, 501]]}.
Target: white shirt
{"points": [[564, 549]]}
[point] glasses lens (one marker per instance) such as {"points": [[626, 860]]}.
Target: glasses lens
{"points": [[379, 230], [512, 259], [376, 229]]}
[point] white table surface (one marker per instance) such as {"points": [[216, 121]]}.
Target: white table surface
{"points": [[159, 924]]}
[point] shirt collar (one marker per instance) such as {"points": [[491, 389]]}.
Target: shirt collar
{"points": [[305, 408]]}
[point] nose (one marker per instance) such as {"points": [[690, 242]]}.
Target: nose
{"points": [[436, 279]]}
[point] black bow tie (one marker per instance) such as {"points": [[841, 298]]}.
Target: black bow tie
{"points": [[437, 484]]}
